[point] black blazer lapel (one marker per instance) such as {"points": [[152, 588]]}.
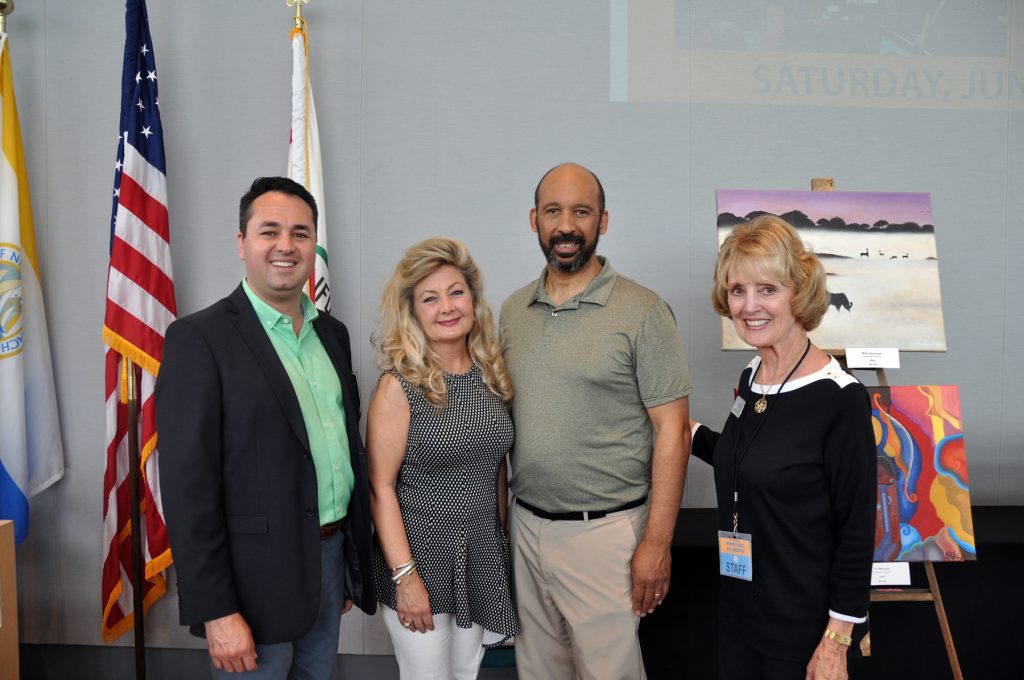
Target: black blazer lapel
{"points": [[244, 318], [358, 571], [340, 357]]}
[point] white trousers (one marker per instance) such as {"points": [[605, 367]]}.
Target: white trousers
{"points": [[445, 653]]}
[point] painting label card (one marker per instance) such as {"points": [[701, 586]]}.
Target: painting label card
{"points": [[872, 357], [890, 574], [880, 259]]}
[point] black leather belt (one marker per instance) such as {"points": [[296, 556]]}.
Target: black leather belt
{"points": [[580, 516]]}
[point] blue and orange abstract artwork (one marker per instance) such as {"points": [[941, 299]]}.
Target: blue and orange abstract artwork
{"points": [[924, 496]]}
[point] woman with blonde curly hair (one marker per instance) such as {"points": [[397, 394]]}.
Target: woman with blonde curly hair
{"points": [[794, 471], [438, 431]]}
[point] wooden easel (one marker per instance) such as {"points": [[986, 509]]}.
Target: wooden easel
{"points": [[931, 593]]}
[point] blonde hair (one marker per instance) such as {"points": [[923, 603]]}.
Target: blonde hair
{"points": [[769, 244], [399, 340]]}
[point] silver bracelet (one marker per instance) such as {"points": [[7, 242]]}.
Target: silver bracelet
{"points": [[400, 567], [404, 570]]}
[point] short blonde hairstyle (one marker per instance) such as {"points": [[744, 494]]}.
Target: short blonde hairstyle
{"points": [[400, 342], [771, 245]]}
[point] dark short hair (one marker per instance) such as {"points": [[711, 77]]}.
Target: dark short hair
{"points": [[263, 185], [600, 187]]}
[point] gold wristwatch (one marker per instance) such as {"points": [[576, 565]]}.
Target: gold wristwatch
{"points": [[844, 640]]}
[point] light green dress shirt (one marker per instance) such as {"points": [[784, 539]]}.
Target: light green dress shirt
{"points": [[318, 391]]}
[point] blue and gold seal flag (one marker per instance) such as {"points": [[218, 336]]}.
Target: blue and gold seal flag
{"points": [[31, 453]]}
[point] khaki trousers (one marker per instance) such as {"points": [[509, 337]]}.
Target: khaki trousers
{"points": [[574, 596]]}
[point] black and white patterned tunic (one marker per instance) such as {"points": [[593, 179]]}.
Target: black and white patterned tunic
{"points": [[447, 492]]}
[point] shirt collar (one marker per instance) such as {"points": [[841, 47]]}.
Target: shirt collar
{"points": [[597, 291], [269, 316]]}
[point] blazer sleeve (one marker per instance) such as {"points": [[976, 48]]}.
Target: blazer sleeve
{"points": [[189, 423]]}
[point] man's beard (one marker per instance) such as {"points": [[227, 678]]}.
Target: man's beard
{"points": [[586, 251]]}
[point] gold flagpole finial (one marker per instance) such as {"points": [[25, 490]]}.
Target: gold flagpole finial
{"points": [[299, 21], [6, 7]]}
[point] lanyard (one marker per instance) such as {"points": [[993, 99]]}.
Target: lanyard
{"points": [[737, 458]]}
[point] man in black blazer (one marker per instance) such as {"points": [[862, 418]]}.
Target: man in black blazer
{"points": [[263, 473]]}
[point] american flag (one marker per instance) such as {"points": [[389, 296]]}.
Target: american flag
{"points": [[140, 306]]}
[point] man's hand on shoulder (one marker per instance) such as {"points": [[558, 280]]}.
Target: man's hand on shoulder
{"points": [[231, 644], [651, 567]]}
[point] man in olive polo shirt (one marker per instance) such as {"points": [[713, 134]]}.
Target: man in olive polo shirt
{"points": [[263, 474], [601, 444]]}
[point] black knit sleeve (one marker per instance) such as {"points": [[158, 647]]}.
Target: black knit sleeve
{"points": [[849, 458], [704, 441]]}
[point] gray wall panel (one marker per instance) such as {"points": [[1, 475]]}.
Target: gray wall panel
{"points": [[1010, 463]]}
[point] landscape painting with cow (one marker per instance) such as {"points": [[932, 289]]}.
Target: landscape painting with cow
{"points": [[879, 255]]}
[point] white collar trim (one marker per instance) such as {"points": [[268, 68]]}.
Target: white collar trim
{"points": [[830, 371]]}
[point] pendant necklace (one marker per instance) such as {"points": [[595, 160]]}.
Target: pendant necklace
{"points": [[761, 405]]}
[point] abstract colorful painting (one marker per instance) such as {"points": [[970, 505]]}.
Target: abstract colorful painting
{"points": [[924, 498], [880, 259]]}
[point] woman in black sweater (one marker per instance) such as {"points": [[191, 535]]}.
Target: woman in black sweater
{"points": [[794, 471]]}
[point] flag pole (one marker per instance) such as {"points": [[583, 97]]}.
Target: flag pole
{"points": [[136, 523], [299, 21], [6, 7]]}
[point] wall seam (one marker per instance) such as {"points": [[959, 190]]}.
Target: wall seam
{"points": [[1006, 257]]}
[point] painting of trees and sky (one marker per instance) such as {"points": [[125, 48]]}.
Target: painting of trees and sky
{"points": [[879, 255]]}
